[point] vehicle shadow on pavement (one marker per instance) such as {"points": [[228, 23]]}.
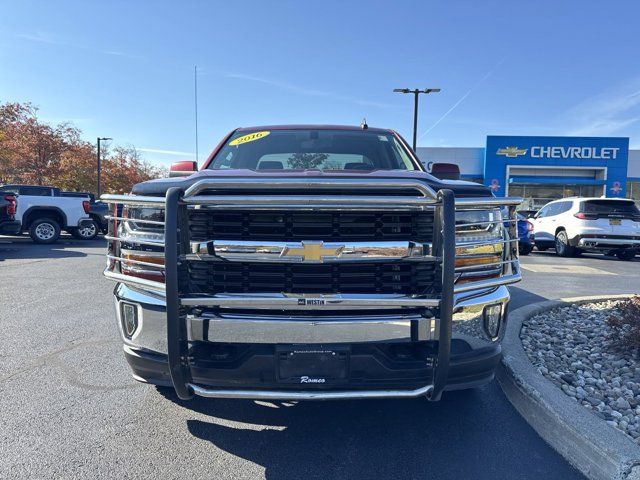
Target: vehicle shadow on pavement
{"points": [[466, 435], [586, 255], [23, 248], [521, 297]]}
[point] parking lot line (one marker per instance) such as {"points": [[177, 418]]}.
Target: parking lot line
{"points": [[568, 269]]}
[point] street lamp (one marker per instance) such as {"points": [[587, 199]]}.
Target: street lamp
{"points": [[415, 92], [100, 161]]}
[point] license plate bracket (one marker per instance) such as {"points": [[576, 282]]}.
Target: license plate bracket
{"points": [[312, 365]]}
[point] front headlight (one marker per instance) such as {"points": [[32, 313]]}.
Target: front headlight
{"points": [[479, 244], [142, 246]]}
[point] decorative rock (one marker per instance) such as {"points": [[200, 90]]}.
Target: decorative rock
{"points": [[594, 401], [622, 404], [570, 378], [572, 347]]}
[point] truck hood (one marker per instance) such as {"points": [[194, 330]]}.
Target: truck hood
{"points": [[160, 186]]}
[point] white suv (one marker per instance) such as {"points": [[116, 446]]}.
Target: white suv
{"points": [[573, 225]]}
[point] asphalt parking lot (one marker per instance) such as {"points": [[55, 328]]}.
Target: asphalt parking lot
{"points": [[69, 408]]}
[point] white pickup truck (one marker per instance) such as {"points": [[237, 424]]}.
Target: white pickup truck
{"points": [[44, 213]]}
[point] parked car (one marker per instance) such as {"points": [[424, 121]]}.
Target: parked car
{"points": [[528, 213], [44, 213], [97, 212], [525, 235], [311, 262], [8, 206], [575, 225]]}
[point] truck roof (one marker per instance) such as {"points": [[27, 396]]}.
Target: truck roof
{"points": [[314, 127]]}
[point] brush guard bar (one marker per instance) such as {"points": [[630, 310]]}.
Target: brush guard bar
{"points": [[214, 194]]}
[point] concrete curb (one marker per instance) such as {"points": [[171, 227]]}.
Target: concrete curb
{"points": [[598, 450]]}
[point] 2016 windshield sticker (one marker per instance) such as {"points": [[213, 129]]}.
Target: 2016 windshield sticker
{"points": [[249, 138]]}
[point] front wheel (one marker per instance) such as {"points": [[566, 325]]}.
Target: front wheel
{"points": [[88, 231], [626, 255], [562, 245], [44, 230]]}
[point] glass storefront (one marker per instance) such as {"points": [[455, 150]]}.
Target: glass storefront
{"points": [[536, 196], [633, 190]]}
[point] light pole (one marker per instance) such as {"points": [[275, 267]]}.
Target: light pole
{"points": [[415, 92], [100, 162]]}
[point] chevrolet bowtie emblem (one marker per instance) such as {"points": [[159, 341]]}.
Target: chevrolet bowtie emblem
{"points": [[512, 152], [312, 251]]}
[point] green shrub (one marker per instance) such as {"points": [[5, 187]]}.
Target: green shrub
{"points": [[625, 322]]}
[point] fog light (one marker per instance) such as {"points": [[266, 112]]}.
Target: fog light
{"points": [[128, 318], [492, 320]]}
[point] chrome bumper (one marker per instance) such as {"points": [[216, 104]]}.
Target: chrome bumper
{"points": [[602, 242], [269, 327], [309, 395]]}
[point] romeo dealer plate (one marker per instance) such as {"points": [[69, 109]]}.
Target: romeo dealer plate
{"points": [[312, 364]]}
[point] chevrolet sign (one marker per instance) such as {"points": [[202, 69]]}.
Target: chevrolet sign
{"points": [[595, 153], [512, 152], [510, 160]]}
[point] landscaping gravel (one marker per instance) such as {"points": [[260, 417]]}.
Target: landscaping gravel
{"points": [[571, 347]]}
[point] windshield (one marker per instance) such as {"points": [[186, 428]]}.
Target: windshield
{"points": [[313, 149]]}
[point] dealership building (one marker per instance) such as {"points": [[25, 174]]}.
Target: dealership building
{"points": [[541, 169]]}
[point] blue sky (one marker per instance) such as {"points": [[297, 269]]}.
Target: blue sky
{"points": [[124, 69]]}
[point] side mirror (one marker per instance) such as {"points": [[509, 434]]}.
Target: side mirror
{"points": [[183, 169], [446, 171]]}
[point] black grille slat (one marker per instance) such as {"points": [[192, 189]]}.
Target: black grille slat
{"points": [[333, 226], [239, 277], [394, 277]]}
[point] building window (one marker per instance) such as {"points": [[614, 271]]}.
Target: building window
{"points": [[537, 195], [633, 190]]}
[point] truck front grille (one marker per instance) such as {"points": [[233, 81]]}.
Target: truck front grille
{"points": [[334, 226], [406, 277]]}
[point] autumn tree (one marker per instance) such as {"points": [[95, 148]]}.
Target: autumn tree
{"points": [[78, 168], [34, 152], [124, 167], [32, 149], [302, 161]]}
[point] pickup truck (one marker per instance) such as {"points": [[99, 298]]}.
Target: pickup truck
{"points": [[44, 213], [311, 262], [97, 212], [8, 205]]}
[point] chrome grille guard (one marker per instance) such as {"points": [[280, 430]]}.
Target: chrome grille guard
{"points": [[218, 193]]}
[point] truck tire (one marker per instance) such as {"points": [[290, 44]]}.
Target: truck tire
{"points": [[563, 249], [44, 230], [87, 232], [626, 255]]}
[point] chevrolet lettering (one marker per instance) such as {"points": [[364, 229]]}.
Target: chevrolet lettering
{"points": [[575, 152]]}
